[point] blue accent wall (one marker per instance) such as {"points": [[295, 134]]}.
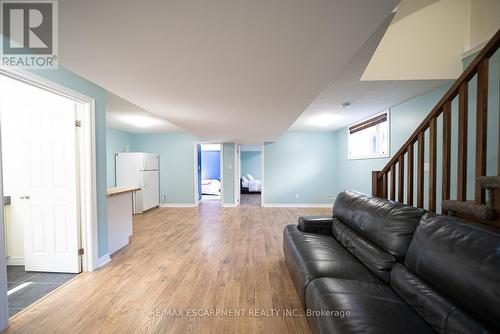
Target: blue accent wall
{"points": [[301, 163], [76, 83], [117, 141], [251, 163], [210, 165]]}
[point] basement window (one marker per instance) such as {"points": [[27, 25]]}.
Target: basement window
{"points": [[369, 138]]}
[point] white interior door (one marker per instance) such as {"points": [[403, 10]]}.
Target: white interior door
{"points": [[49, 188]]}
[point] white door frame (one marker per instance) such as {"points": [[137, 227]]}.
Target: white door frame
{"points": [[195, 169], [4, 301], [238, 175], [86, 155], [236, 171], [262, 183]]}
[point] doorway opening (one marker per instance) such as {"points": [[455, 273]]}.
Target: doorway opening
{"points": [[209, 173], [44, 156], [251, 175]]}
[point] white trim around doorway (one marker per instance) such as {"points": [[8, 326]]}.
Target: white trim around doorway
{"points": [[262, 183], [87, 183], [196, 199], [237, 176]]}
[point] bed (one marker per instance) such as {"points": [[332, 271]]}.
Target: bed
{"points": [[210, 187], [250, 185]]}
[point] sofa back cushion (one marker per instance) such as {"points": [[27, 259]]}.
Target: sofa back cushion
{"points": [[460, 260], [387, 224], [377, 260]]}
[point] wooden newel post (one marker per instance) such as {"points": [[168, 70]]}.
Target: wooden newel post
{"points": [[376, 184]]}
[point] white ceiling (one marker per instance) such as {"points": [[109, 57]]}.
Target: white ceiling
{"points": [[366, 97], [123, 115], [222, 70]]}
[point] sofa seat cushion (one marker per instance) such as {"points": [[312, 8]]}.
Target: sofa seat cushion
{"points": [[366, 308], [311, 256], [377, 260]]}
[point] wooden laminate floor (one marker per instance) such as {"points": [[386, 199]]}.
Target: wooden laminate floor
{"points": [[200, 261], [250, 200]]}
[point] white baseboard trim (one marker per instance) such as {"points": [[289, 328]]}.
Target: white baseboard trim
{"points": [[179, 205], [229, 205], [15, 261], [103, 260], [297, 205]]}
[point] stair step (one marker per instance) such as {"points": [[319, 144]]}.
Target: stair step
{"points": [[491, 182], [483, 212]]}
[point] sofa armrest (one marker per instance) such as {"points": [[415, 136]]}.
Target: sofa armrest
{"points": [[316, 224]]}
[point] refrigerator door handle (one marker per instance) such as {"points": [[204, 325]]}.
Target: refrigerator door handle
{"points": [[143, 179]]}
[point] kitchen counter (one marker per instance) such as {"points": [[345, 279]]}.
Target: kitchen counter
{"points": [[113, 191], [120, 211]]}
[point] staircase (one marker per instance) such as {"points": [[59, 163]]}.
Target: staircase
{"points": [[397, 180]]}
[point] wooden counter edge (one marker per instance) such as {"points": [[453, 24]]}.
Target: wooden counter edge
{"points": [[113, 191]]}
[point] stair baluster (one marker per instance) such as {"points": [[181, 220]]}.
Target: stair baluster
{"points": [[482, 207]]}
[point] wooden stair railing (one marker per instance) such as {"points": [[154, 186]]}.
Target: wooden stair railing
{"points": [[405, 171]]}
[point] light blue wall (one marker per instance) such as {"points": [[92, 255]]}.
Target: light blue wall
{"points": [[176, 152], [251, 164], [228, 170], [493, 114], [76, 83], [356, 174], [314, 164], [303, 163], [493, 118], [404, 119], [117, 141]]}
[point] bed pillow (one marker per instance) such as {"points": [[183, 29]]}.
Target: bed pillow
{"points": [[250, 177]]}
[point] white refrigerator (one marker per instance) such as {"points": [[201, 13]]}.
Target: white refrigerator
{"points": [[141, 170]]}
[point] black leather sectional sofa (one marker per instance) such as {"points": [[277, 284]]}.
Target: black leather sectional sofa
{"points": [[379, 266]]}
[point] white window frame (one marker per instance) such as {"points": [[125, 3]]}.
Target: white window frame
{"points": [[378, 156]]}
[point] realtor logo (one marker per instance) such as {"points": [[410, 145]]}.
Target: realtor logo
{"points": [[29, 33]]}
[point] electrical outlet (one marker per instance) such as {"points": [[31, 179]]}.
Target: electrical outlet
{"points": [[297, 195], [426, 167], [165, 197], [329, 196]]}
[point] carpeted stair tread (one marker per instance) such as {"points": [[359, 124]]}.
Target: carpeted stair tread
{"points": [[492, 182], [482, 211]]}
